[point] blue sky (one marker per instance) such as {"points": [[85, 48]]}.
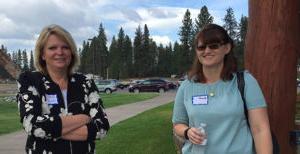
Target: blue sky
{"points": [[21, 21]]}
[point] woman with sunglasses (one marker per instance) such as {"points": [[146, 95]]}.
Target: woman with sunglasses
{"points": [[210, 97]]}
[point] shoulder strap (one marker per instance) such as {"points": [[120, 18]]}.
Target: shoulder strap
{"points": [[241, 87]]}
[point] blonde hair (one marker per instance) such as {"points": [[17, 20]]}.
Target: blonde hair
{"points": [[60, 32]]}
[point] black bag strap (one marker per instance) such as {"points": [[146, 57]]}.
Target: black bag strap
{"points": [[241, 87]]}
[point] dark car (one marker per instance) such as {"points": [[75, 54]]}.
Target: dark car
{"points": [[171, 84], [150, 85]]}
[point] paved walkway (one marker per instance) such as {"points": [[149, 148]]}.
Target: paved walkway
{"points": [[14, 143]]}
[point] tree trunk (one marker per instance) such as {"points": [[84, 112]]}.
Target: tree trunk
{"points": [[272, 44]]}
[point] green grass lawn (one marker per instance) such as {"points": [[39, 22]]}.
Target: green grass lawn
{"points": [[9, 116], [115, 99], [149, 132]]}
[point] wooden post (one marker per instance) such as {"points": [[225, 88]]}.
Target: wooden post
{"points": [[271, 54]]}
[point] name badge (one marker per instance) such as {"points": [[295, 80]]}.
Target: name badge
{"points": [[51, 99], [200, 100]]}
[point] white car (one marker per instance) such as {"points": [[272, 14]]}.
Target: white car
{"points": [[107, 86]]}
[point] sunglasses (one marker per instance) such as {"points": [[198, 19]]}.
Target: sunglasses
{"points": [[212, 46]]}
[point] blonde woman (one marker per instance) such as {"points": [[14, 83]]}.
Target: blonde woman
{"points": [[60, 110]]}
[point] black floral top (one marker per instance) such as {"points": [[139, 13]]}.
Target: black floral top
{"points": [[41, 104]]}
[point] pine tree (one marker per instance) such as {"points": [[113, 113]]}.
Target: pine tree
{"points": [[186, 38], [118, 56], [153, 54], [161, 68], [138, 52], [3, 49], [230, 24], [14, 57], [169, 60], [25, 66], [203, 19], [101, 52], [83, 57], [19, 58], [242, 31], [128, 57], [113, 59], [146, 52], [31, 61], [92, 56]]}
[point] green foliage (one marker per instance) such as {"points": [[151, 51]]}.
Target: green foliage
{"points": [[203, 19], [146, 53], [94, 54], [239, 51], [31, 62], [186, 35], [25, 66], [143, 58], [138, 52], [19, 58], [128, 58], [164, 65], [101, 53], [230, 24], [148, 132]]}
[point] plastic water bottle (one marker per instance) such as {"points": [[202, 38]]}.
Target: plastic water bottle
{"points": [[202, 130], [200, 148]]}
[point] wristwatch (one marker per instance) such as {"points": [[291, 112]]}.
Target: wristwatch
{"points": [[185, 133]]}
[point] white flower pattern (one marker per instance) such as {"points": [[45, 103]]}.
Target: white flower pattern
{"points": [[25, 97], [27, 124], [44, 126], [39, 132], [18, 86], [94, 97], [33, 90], [93, 112], [45, 107]]}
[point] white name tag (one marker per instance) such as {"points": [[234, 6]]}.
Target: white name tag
{"points": [[51, 99], [200, 100]]}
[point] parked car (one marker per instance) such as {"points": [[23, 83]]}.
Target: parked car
{"points": [[107, 86], [135, 82], [180, 81], [171, 84], [123, 84], [150, 85]]}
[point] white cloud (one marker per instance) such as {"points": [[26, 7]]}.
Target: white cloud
{"points": [[21, 21], [165, 40], [162, 19]]}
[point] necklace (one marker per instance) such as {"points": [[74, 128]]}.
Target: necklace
{"points": [[211, 92]]}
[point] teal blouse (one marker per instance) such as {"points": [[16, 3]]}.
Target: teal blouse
{"points": [[220, 106]]}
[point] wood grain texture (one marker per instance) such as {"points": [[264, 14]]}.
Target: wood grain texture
{"points": [[272, 47]]}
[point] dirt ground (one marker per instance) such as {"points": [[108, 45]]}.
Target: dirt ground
{"points": [[8, 89]]}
